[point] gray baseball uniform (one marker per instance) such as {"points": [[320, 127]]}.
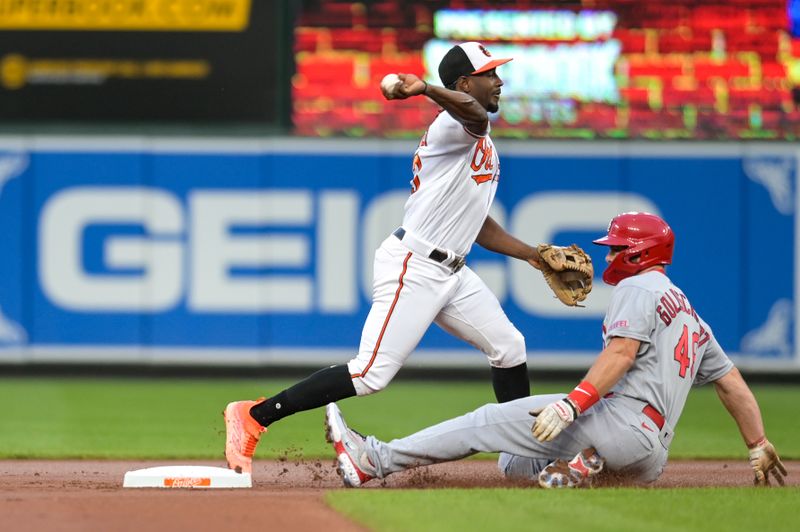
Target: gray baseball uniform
{"points": [[631, 427]]}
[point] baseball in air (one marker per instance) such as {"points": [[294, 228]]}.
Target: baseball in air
{"points": [[390, 84]]}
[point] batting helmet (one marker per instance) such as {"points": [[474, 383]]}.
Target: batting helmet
{"points": [[647, 239]]}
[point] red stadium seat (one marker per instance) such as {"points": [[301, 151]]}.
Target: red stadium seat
{"points": [[636, 96], [361, 40], [708, 68], [767, 99], [632, 41], [665, 69], [702, 96], [326, 68]]}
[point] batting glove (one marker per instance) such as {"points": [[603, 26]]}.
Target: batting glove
{"points": [[765, 460], [552, 419]]}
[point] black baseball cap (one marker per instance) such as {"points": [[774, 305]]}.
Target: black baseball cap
{"points": [[466, 59]]}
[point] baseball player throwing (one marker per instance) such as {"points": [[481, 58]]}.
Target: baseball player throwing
{"points": [[419, 271], [620, 416]]}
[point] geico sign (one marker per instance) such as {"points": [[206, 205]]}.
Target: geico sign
{"points": [[192, 251]]}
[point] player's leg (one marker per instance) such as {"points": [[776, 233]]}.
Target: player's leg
{"points": [[494, 427], [521, 467], [475, 315], [625, 437], [408, 293], [501, 427], [245, 421], [406, 297]]}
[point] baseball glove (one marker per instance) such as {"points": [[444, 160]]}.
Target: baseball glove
{"points": [[568, 271]]}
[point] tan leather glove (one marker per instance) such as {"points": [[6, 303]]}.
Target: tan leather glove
{"points": [[568, 272], [765, 460]]}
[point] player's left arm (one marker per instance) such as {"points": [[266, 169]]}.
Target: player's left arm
{"points": [[611, 364], [743, 408], [493, 237]]}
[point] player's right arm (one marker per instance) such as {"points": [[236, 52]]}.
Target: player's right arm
{"points": [[743, 407], [493, 237], [612, 363], [461, 106]]}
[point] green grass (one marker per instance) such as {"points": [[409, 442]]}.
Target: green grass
{"points": [[621, 509], [178, 418]]}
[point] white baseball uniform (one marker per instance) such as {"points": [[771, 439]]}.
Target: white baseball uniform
{"points": [[419, 277], [631, 427]]}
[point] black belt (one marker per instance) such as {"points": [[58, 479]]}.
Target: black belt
{"points": [[438, 255]]}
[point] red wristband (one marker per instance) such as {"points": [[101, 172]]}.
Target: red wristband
{"points": [[584, 396], [761, 441]]}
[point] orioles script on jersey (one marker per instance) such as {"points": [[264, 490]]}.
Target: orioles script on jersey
{"points": [[482, 161]]}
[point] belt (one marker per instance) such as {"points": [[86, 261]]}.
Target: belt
{"points": [[648, 410], [654, 414], [442, 256]]}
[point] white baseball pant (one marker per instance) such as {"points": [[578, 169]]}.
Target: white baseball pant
{"points": [[411, 291]]}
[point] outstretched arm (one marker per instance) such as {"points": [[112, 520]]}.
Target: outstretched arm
{"points": [[460, 105], [742, 406], [494, 238]]}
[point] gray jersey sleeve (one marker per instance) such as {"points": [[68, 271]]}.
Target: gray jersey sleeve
{"points": [[631, 314], [715, 363]]}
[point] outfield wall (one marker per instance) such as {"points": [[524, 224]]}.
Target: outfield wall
{"points": [[259, 252]]}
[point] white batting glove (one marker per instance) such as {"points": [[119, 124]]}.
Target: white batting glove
{"points": [[765, 460], [552, 419]]}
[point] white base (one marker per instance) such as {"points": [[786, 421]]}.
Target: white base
{"points": [[188, 476]]}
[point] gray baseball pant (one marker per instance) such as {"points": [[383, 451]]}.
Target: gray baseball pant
{"points": [[616, 427]]}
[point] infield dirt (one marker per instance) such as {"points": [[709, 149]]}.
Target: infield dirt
{"points": [[40, 495]]}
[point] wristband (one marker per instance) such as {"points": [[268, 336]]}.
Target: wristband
{"points": [[426, 87], [758, 443], [572, 407], [584, 396]]}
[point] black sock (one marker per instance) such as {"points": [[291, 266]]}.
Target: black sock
{"points": [[511, 383], [325, 386]]}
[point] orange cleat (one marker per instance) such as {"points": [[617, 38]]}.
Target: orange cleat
{"points": [[242, 433]]}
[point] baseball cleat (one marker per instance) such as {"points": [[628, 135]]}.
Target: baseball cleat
{"points": [[352, 462], [242, 433], [577, 473]]}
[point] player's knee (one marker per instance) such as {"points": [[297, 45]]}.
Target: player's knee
{"points": [[372, 382], [511, 352], [364, 388], [372, 378], [520, 467]]}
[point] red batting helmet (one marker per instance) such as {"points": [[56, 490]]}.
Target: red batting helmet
{"points": [[647, 239]]}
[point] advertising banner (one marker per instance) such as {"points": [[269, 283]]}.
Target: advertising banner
{"points": [[144, 60], [614, 69], [259, 252]]}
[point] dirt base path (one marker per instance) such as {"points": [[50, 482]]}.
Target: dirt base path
{"points": [[87, 496]]}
